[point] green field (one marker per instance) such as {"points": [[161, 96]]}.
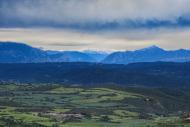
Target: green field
{"points": [[60, 106]]}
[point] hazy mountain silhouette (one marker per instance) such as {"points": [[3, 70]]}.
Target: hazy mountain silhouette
{"points": [[149, 54], [12, 52]]}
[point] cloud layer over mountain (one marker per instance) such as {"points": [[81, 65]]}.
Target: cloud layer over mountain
{"points": [[97, 24], [94, 13]]}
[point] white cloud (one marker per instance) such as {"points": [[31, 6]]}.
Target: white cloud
{"points": [[120, 40]]}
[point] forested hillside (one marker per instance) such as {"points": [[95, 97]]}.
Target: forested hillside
{"points": [[158, 74]]}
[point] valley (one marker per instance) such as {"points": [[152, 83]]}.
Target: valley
{"points": [[43, 105], [94, 63]]}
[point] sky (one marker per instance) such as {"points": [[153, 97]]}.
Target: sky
{"points": [[96, 24]]}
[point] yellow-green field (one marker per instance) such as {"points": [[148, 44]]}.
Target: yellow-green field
{"points": [[59, 106]]}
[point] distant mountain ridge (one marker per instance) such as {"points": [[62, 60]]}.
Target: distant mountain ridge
{"points": [[149, 54], [97, 55], [13, 52]]}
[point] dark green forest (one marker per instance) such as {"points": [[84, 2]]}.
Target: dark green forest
{"points": [[156, 74]]}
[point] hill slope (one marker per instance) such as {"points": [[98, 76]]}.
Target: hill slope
{"points": [[157, 74]]}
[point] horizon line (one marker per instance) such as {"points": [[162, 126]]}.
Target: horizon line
{"points": [[96, 50]]}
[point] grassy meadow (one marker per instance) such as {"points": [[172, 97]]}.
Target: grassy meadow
{"points": [[61, 106]]}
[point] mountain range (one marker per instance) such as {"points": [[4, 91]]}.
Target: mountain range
{"points": [[13, 52], [149, 54]]}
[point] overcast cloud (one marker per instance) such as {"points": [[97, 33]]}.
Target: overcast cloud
{"points": [[83, 11], [96, 24]]}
